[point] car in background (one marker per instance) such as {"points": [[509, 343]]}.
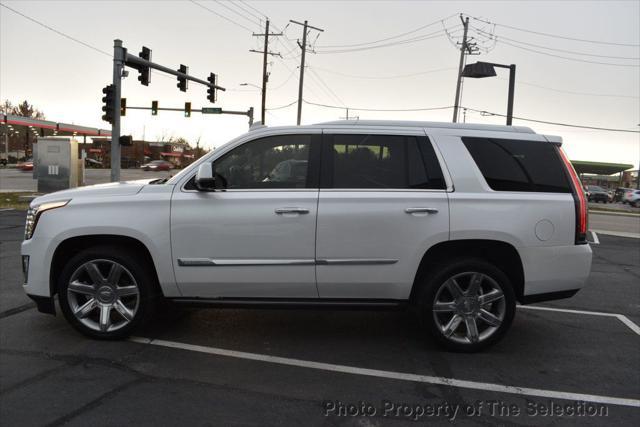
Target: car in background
{"points": [[621, 194], [157, 165], [597, 194], [92, 163], [633, 198], [26, 166]]}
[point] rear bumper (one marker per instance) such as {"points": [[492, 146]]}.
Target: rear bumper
{"points": [[554, 272], [549, 296]]}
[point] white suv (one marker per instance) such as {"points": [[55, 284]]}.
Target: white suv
{"points": [[455, 221]]}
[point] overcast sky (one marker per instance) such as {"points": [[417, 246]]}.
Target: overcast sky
{"points": [[65, 79]]}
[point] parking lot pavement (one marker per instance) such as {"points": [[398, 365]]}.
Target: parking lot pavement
{"points": [[272, 367], [616, 223]]}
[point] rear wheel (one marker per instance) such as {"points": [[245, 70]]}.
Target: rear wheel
{"points": [[467, 305], [106, 292]]}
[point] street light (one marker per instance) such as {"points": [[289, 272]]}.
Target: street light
{"points": [[250, 84], [487, 69]]}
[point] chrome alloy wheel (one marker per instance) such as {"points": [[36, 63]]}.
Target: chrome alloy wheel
{"points": [[103, 295], [469, 307]]}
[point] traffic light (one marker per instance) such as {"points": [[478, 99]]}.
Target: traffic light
{"points": [[145, 72], [211, 91], [123, 106], [108, 99], [187, 109], [154, 108], [183, 83]]}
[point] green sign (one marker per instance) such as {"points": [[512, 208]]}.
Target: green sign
{"points": [[211, 110]]}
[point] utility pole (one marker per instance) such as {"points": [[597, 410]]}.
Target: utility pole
{"points": [[6, 139], [303, 46], [265, 75], [347, 117], [463, 49]]}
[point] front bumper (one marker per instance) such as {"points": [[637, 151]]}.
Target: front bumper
{"points": [[44, 304], [39, 252]]}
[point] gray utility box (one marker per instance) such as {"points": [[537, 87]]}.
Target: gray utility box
{"points": [[57, 166]]}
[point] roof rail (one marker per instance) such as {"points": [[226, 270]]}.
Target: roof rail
{"points": [[424, 124]]}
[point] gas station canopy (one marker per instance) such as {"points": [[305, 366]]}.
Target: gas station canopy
{"points": [[599, 168], [10, 119]]}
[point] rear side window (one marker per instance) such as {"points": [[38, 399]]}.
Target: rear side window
{"points": [[380, 161], [517, 165]]}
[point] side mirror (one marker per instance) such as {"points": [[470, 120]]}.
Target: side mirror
{"points": [[205, 180]]}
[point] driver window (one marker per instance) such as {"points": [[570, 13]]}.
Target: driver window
{"points": [[272, 162]]}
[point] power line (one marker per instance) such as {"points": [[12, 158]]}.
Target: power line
{"points": [[376, 109], [283, 106], [56, 31], [389, 38], [433, 35], [572, 92], [239, 5], [221, 16], [331, 92], [498, 38], [554, 123], [566, 57], [285, 81], [237, 13], [292, 47], [254, 9], [398, 76], [555, 35]]}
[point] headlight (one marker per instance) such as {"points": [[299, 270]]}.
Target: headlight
{"points": [[34, 213]]}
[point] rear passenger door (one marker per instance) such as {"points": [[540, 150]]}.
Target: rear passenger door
{"points": [[383, 202]]}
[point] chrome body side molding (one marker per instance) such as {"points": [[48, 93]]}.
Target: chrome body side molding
{"points": [[209, 262]]}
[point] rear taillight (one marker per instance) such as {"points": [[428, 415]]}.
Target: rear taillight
{"points": [[579, 198]]}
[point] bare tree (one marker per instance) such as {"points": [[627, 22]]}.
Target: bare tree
{"points": [[23, 109]]}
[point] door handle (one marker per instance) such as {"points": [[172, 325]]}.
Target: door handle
{"points": [[281, 211], [421, 210]]}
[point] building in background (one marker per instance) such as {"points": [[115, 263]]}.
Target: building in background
{"points": [[179, 153]]}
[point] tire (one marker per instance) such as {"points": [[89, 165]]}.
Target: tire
{"points": [[123, 297], [437, 286]]}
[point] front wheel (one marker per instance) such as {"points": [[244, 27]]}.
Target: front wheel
{"points": [[467, 305], [105, 292]]}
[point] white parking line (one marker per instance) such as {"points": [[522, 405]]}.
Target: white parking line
{"points": [[402, 376], [596, 241], [6, 209], [621, 317]]}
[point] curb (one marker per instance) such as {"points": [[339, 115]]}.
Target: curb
{"points": [[630, 214]]}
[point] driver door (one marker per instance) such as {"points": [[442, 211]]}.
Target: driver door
{"points": [[255, 236]]}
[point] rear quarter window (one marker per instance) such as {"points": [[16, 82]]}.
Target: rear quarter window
{"points": [[519, 165]]}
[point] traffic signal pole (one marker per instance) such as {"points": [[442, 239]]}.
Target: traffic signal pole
{"points": [[118, 66], [121, 59]]}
